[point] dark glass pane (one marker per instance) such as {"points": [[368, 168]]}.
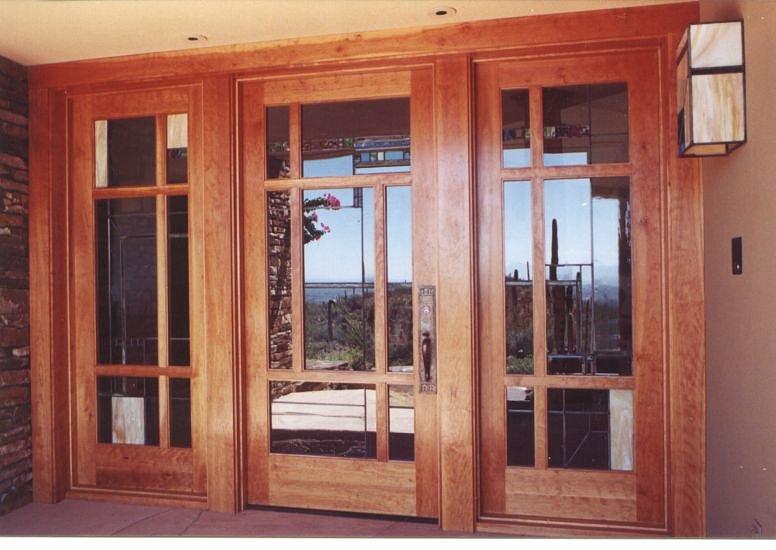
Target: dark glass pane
{"points": [[401, 422], [338, 234], [178, 280], [180, 412], [356, 137], [125, 152], [578, 428], [278, 158], [398, 221], [126, 276], [128, 410], [518, 291], [279, 278], [520, 426], [585, 124], [515, 128], [325, 419], [177, 148]]}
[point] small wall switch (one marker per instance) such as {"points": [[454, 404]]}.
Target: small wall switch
{"points": [[738, 255]]}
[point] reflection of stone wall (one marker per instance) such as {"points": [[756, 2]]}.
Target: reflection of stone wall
{"points": [[15, 425], [279, 260]]}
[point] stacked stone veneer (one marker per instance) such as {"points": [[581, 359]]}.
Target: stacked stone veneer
{"points": [[279, 245], [15, 418]]}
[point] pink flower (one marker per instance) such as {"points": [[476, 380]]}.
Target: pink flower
{"points": [[325, 227], [331, 201], [314, 216]]}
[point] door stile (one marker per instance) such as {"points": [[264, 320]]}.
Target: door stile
{"points": [[424, 272], [254, 284], [489, 193]]}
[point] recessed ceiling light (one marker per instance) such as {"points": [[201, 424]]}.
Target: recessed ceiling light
{"points": [[443, 11], [196, 38]]}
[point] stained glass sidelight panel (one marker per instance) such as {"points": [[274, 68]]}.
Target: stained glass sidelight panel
{"points": [[126, 281]]}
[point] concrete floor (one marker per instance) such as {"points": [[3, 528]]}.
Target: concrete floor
{"points": [[78, 518]]}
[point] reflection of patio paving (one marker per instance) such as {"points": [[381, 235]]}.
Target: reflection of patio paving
{"points": [[335, 410]]}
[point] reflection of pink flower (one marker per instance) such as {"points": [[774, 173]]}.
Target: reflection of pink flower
{"points": [[314, 216], [325, 228], [330, 201]]}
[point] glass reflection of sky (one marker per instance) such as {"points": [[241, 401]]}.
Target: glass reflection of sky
{"points": [[517, 229], [336, 256]]}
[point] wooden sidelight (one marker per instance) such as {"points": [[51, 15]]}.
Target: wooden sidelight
{"points": [[572, 364], [136, 293], [339, 262]]}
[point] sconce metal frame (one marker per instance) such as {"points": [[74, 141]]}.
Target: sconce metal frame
{"points": [[710, 87]]}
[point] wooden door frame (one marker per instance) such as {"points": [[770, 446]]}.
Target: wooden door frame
{"points": [[449, 48]]}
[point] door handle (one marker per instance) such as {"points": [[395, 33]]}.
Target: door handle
{"points": [[425, 352], [427, 370]]}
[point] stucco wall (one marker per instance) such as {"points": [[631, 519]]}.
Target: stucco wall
{"points": [[740, 200], [15, 427]]}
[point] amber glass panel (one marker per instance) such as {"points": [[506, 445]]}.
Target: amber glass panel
{"points": [[126, 281], [356, 137], [520, 426], [339, 266], [128, 410], [518, 280], [125, 152], [515, 129], [401, 422], [180, 412], [398, 221], [324, 419], [278, 157], [178, 280], [588, 257], [177, 148], [585, 124]]}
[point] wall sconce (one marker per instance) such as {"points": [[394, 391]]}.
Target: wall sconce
{"points": [[710, 89]]}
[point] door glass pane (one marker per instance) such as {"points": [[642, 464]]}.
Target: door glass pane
{"points": [[125, 152], [180, 412], [325, 419], [339, 267], [356, 137], [178, 280], [279, 278], [128, 410], [126, 281], [585, 124], [177, 148], [520, 426], [588, 256], [398, 221], [401, 422], [518, 291], [590, 429], [278, 157], [515, 129]]}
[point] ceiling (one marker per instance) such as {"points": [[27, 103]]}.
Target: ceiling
{"points": [[37, 32]]}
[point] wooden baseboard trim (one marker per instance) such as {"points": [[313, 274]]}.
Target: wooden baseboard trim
{"points": [[165, 500]]}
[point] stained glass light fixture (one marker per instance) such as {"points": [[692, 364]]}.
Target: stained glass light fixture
{"points": [[711, 101]]}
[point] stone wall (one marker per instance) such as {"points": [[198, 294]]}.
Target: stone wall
{"points": [[15, 416]]}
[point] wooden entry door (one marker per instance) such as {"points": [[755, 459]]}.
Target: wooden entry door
{"points": [[338, 255], [571, 359]]}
